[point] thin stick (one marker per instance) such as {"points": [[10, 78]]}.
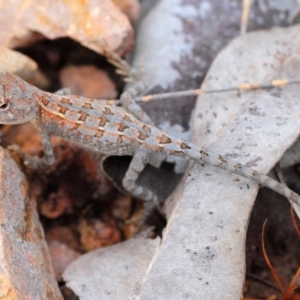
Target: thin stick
{"points": [[239, 88], [245, 16]]}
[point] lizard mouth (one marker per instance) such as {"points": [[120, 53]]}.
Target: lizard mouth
{"points": [[13, 116]]}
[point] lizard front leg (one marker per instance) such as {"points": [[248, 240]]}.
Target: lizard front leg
{"points": [[49, 157], [128, 102], [40, 162]]}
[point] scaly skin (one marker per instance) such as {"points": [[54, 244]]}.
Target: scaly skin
{"points": [[104, 126]]}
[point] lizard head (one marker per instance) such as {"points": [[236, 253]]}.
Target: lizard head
{"points": [[17, 100]]}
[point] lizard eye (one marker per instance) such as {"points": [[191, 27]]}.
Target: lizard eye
{"points": [[4, 106]]}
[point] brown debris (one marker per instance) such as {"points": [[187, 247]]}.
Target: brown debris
{"points": [[121, 207], [88, 81], [57, 204], [74, 178], [94, 235], [63, 235]]}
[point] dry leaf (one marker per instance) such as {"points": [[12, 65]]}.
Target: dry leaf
{"points": [[89, 22], [114, 272]]}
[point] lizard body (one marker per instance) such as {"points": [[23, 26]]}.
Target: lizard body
{"points": [[103, 126]]}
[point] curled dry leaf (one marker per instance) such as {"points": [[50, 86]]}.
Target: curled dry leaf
{"points": [[90, 22], [25, 268]]}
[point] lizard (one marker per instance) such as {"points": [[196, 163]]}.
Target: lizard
{"points": [[110, 128]]}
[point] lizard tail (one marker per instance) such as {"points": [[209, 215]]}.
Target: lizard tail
{"points": [[198, 154]]}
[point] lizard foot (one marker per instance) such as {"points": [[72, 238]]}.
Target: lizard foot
{"points": [[29, 161]]}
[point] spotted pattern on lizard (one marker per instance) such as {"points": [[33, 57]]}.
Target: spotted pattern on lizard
{"points": [[110, 129]]}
